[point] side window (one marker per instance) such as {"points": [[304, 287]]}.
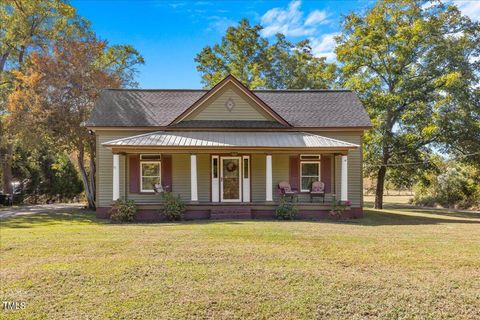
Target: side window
{"points": [[215, 168], [246, 167], [150, 171], [309, 173]]}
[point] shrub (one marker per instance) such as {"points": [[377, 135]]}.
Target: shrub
{"points": [[285, 210], [456, 187], [174, 207], [123, 211], [338, 207]]}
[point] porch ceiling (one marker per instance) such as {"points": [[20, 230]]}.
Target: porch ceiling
{"points": [[218, 139]]}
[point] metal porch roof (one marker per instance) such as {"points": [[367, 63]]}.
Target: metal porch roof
{"points": [[203, 139]]}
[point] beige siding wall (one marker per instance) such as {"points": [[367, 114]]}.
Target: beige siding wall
{"points": [[203, 176], [355, 181], [181, 175], [280, 171], [104, 179], [216, 110], [257, 169]]}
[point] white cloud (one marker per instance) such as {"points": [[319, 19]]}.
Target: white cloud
{"points": [[316, 17], [176, 5], [324, 46], [219, 24], [427, 5], [290, 21], [470, 8]]}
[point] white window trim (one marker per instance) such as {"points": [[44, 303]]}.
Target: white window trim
{"points": [[302, 176], [142, 176]]}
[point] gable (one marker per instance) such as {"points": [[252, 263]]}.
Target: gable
{"points": [[229, 103], [229, 100]]}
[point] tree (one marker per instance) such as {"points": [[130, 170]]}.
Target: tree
{"points": [[460, 114], [293, 66], [27, 26], [244, 53], [44, 173], [57, 92], [398, 57]]}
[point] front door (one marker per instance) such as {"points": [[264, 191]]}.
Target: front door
{"points": [[230, 179]]}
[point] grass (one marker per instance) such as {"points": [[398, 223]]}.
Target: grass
{"points": [[392, 264], [402, 199]]}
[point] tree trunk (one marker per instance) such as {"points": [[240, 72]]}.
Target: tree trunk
{"points": [[3, 60], [93, 168], [85, 178], [7, 168], [380, 186]]}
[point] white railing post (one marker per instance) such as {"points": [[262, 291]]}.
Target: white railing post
{"points": [[193, 177], [344, 179], [269, 187], [116, 177]]}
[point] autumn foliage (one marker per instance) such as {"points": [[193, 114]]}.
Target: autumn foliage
{"points": [[55, 95]]}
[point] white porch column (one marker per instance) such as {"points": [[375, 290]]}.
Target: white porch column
{"points": [[116, 177], [344, 179], [193, 177], [269, 188]]}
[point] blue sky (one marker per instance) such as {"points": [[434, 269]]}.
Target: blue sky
{"points": [[170, 33]]}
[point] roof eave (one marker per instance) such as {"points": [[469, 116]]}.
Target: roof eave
{"points": [[195, 148], [169, 128]]}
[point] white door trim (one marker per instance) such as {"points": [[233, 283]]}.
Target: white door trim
{"points": [[246, 178], [215, 178], [239, 179]]}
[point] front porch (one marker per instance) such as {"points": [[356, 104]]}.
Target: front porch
{"points": [[235, 182]]}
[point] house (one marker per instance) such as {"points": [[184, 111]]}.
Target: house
{"points": [[225, 150]]}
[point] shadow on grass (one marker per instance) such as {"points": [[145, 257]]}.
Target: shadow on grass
{"points": [[438, 211], [49, 218], [391, 215], [371, 218], [414, 217]]}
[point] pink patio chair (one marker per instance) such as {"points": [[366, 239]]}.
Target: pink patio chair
{"points": [[318, 190], [287, 191], [160, 189]]}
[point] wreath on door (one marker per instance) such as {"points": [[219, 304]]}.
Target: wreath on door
{"points": [[231, 166]]}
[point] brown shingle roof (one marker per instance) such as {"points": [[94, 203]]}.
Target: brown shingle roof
{"points": [[158, 108]]}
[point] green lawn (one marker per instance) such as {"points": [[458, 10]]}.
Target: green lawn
{"points": [[393, 264]]}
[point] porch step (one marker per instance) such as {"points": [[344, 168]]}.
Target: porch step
{"points": [[225, 213]]}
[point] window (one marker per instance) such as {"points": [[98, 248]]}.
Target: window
{"points": [[150, 170], [245, 167], [309, 173], [215, 167]]}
